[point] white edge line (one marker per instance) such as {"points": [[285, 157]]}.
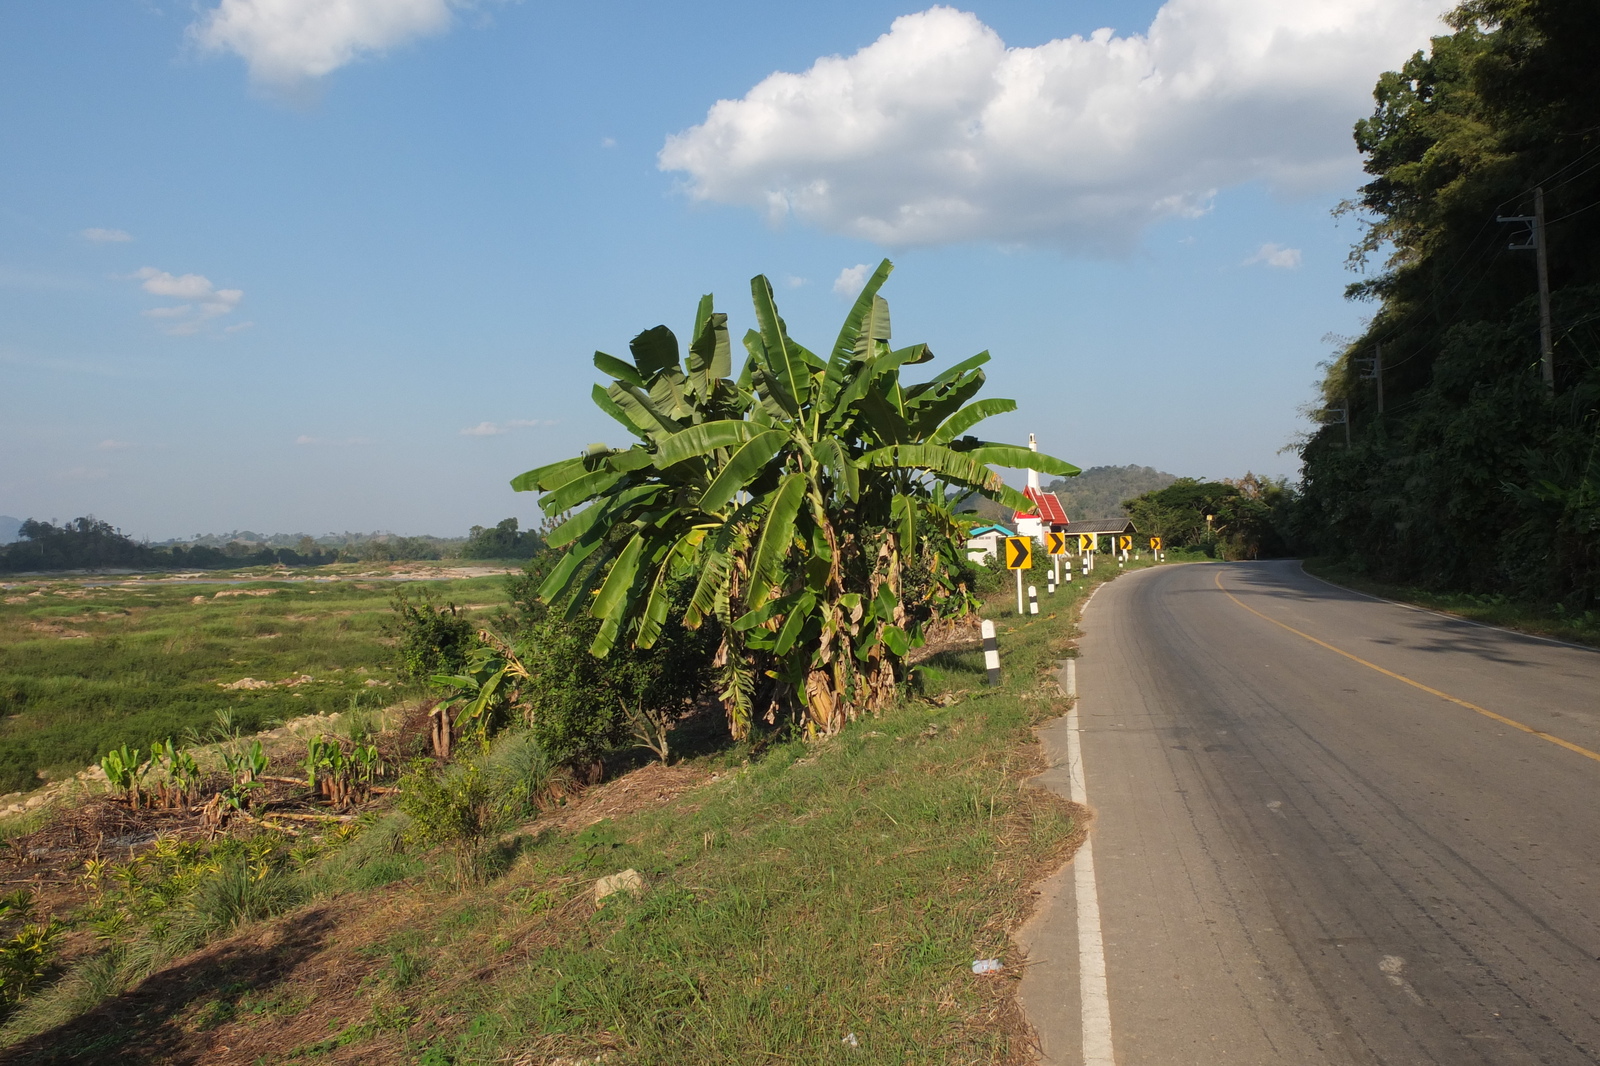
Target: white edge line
{"points": [[1093, 993], [1444, 614]]}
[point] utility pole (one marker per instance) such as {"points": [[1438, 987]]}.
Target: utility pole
{"points": [[1377, 372], [1546, 356], [1536, 244]]}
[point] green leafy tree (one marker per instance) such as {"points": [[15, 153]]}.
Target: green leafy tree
{"points": [[1473, 474], [501, 541], [793, 493]]}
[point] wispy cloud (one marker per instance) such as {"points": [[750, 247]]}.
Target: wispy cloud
{"points": [[494, 429], [331, 442], [1276, 256], [105, 236], [204, 301], [109, 445], [289, 44], [850, 280]]}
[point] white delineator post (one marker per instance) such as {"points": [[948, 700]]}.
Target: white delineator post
{"points": [[1050, 586], [1033, 599], [991, 653]]}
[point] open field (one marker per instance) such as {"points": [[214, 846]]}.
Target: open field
{"points": [[808, 902], [90, 663]]}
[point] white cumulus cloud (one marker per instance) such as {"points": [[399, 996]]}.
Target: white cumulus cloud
{"points": [[287, 43], [203, 300], [105, 236], [937, 132], [1276, 255], [850, 280]]}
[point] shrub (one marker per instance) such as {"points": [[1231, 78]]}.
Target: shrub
{"points": [[578, 706], [466, 806], [459, 808], [432, 640], [28, 950]]}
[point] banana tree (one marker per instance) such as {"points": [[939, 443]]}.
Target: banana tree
{"points": [[794, 492]]}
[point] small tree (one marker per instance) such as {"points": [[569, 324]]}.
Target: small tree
{"points": [[794, 495]]}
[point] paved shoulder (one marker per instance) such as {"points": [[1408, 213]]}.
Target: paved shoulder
{"points": [[1331, 829]]}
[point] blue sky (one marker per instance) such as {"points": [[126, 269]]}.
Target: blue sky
{"points": [[365, 296]]}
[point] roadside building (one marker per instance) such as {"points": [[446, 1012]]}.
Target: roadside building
{"points": [[1104, 527], [1047, 514], [984, 541]]}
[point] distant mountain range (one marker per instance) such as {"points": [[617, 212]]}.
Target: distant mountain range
{"points": [[1098, 492], [8, 528]]}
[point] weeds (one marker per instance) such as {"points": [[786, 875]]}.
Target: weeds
{"points": [[28, 952]]}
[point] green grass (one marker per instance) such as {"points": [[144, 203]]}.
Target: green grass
{"points": [[809, 891], [83, 669], [816, 891], [1543, 620]]}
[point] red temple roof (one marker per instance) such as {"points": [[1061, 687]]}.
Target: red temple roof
{"points": [[1046, 506]]}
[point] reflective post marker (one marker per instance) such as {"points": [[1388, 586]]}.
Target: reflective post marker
{"points": [[991, 653], [1050, 586], [1033, 599]]}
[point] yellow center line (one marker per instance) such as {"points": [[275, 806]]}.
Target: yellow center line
{"points": [[1502, 719]]}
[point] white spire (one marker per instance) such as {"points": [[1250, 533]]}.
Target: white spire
{"points": [[1033, 475]]}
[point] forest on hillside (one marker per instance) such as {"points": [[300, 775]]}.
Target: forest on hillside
{"points": [[1453, 453]]}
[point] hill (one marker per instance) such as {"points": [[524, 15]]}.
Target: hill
{"points": [[1098, 492]]}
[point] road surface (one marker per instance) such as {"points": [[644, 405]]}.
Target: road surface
{"points": [[1328, 829]]}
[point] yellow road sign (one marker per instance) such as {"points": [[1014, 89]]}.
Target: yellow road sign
{"points": [[1019, 553], [1086, 542], [1155, 544], [1055, 544], [1125, 543]]}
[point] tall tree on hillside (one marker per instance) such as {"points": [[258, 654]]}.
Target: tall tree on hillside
{"points": [[1472, 474], [795, 492]]}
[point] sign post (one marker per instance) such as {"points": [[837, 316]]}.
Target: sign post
{"points": [[1056, 545], [1155, 548], [1086, 548], [1019, 557]]}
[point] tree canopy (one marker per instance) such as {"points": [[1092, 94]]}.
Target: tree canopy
{"points": [[1472, 474]]}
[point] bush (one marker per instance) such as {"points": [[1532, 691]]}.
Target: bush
{"points": [[462, 808], [28, 949], [577, 706], [989, 575], [432, 640]]}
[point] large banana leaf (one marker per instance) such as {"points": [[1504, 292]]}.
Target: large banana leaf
{"points": [[774, 489]]}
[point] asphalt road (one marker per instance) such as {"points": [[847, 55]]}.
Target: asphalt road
{"points": [[1336, 845]]}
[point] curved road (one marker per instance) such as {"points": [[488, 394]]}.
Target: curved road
{"points": [[1328, 829]]}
